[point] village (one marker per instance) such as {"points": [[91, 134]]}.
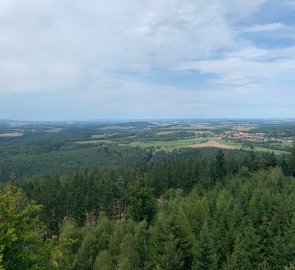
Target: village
{"points": [[259, 137]]}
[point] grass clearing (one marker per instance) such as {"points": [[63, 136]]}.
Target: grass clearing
{"points": [[165, 132], [288, 144], [98, 136], [55, 130], [168, 144], [203, 132], [276, 152], [257, 149], [94, 142]]}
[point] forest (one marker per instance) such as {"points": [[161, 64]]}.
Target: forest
{"points": [[135, 195], [216, 210]]}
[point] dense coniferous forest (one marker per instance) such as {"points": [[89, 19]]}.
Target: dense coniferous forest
{"points": [[216, 210]]}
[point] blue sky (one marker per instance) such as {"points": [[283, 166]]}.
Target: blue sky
{"points": [[137, 59]]}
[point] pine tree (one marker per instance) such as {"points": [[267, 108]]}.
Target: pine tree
{"points": [[142, 203], [292, 162], [220, 170], [247, 253], [171, 241], [205, 252]]}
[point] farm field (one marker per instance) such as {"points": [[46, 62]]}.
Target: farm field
{"points": [[55, 130], [94, 142], [98, 136], [168, 136], [168, 144], [276, 152], [36, 148], [162, 135], [10, 135], [257, 149], [214, 144]]}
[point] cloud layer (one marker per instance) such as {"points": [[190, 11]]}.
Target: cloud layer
{"points": [[62, 59]]}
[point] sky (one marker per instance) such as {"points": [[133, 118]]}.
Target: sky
{"points": [[139, 59]]}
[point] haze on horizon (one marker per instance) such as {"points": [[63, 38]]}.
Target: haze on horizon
{"points": [[134, 59]]}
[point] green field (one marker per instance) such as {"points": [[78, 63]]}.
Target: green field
{"points": [[98, 136], [169, 144], [165, 132], [258, 149], [288, 144], [190, 127], [175, 144], [94, 142], [55, 130], [204, 132], [230, 143], [277, 152]]}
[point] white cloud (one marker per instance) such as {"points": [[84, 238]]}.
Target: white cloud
{"points": [[249, 66], [241, 6], [82, 49], [97, 36], [266, 27], [18, 76], [6, 6]]}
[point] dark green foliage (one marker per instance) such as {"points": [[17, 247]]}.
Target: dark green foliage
{"points": [[171, 240], [103, 261], [268, 160], [49, 192], [220, 170], [292, 162], [246, 223], [142, 203], [71, 159], [205, 251], [217, 211]]}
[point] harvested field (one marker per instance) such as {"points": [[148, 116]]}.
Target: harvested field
{"points": [[212, 143], [11, 135]]}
